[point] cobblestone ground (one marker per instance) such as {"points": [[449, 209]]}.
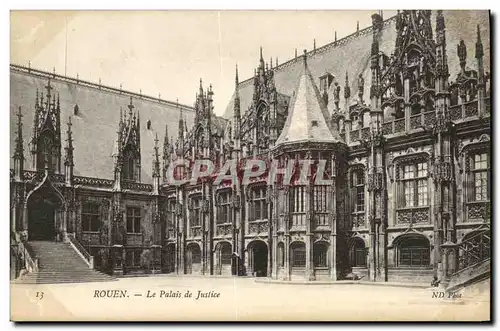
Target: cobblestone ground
{"points": [[231, 299]]}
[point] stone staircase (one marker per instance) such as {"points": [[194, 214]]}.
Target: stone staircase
{"points": [[60, 263]]}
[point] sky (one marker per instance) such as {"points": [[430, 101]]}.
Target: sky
{"points": [[165, 53]]}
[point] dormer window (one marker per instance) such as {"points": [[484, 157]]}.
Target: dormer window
{"points": [[148, 124], [130, 170], [76, 110]]}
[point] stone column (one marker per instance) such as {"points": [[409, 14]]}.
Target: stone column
{"points": [[286, 272]]}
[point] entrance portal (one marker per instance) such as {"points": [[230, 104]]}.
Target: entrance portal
{"points": [[260, 252], [41, 220], [44, 206]]}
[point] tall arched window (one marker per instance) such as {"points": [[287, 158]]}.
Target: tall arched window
{"points": [[413, 251]]}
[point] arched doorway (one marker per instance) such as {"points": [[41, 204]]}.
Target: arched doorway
{"points": [[43, 206], [357, 253], [193, 258], [298, 259], [223, 258], [169, 259], [258, 254]]}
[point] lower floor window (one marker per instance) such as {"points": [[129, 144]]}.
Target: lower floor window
{"points": [[298, 251], [414, 252], [320, 255], [133, 257]]}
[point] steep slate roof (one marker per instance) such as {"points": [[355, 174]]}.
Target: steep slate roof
{"points": [[306, 120], [95, 128], [352, 54]]}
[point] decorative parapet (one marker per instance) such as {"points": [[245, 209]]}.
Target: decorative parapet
{"points": [[137, 186], [93, 182]]}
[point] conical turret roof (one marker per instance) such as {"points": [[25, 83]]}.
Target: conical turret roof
{"points": [[306, 121]]}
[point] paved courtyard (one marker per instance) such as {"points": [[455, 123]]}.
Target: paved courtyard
{"points": [[232, 299]]}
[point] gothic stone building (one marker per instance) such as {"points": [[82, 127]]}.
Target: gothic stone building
{"points": [[398, 110]]}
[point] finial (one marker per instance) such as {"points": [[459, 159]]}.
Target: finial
{"points": [[130, 106], [29, 64], [314, 43], [296, 52], [236, 78], [159, 95], [54, 70], [335, 35], [277, 64], [261, 57], [271, 62], [99, 80], [305, 57], [77, 77], [357, 26]]}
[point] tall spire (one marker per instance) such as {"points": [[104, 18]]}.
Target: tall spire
{"points": [[236, 112], [306, 120]]}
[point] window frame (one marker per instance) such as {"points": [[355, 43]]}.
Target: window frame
{"points": [[298, 247], [486, 185], [90, 216], [258, 199], [423, 251], [411, 181], [224, 210], [134, 220], [358, 184]]}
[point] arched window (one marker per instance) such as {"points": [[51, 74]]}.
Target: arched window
{"points": [[320, 255], [298, 254], [413, 251], [357, 253], [281, 255], [171, 206]]}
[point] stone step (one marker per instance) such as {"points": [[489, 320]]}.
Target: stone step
{"points": [[60, 263]]}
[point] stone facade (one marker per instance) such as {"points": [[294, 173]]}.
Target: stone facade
{"points": [[407, 152]]}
